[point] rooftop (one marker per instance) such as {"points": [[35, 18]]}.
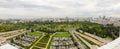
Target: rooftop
{"points": [[112, 45], [7, 46]]}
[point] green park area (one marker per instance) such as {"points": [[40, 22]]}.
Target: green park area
{"points": [[35, 33], [63, 34]]}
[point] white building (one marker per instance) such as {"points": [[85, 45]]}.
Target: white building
{"points": [[112, 45], [8, 46]]}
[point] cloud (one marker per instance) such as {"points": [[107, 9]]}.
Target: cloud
{"points": [[22, 4], [56, 8]]}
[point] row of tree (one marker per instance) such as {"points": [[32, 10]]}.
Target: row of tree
{"points": [[11, 27], [51, 27], [101, 30]]}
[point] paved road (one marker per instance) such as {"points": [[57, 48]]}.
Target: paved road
{"points": [[40, 38], [77, 40], [88, 44], [14, 35], [50, 40], [1, 33], [91, 39], [98, 38]]}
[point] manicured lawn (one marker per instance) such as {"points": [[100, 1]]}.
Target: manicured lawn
{"points": [[35, 48], [64, 34], [50, 43], [35, 33], [41, 45], [35, 42], [43, 42]]}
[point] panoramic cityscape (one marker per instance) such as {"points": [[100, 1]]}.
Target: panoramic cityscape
{"points": [[59, 24]]}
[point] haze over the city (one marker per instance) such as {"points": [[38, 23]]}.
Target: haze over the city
{"points": [[58, 8]]}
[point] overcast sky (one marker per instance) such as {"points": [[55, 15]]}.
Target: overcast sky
{"points": [[58, 8]]}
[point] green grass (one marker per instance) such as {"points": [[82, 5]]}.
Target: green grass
{"points": [[91, 42], [64, 34], [41, 45], [35, 33], [44, 39], [86, 46], [50, 43], [35, 48], [34, 42], [43, 42]]}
